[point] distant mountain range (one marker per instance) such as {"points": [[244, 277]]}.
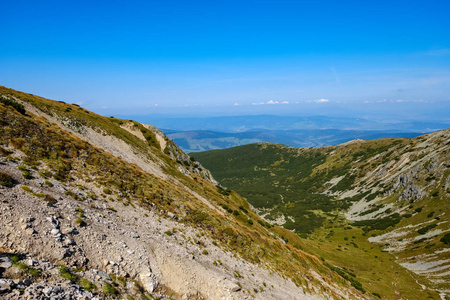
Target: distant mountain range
{"points": [[202, 134], [234, 124], [203, 140]]}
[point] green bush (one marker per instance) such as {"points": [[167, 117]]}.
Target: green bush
{"points": [[425, 229], [446, 239], [379, 224], [223, 191], [87, 285], [26, 174], [80, 222], [243, 209], [16, 105], [67, 274], [6, 180], [50, 200], [109, 289]]}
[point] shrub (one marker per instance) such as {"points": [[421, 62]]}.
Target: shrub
{"points": [[446, 239], [16, 105], [87, 285], [109, 289], [425, 229], [379, 224], [236, 213], [243, 209], [50, 200], [26, 174], [34, 272], [6, 180], [26, 189], [225, 192], [345, 274], [80, 222], [66, 273], [205, 252]]}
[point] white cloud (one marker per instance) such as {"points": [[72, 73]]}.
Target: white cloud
{"points": [[321, 100], [270, 102], [400, 100], [236, 104]]}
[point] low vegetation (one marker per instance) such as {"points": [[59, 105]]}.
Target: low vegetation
{"points": [[308, 191], [265, 178]]}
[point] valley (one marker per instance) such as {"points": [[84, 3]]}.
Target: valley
{"points": [[376, 208]]}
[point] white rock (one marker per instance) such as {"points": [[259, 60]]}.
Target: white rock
{"points": [[54, 231], [148, 280]]}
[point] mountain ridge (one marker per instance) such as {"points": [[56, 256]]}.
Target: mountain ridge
{"points": [[85, 217], [396, 190], [203, 140]]}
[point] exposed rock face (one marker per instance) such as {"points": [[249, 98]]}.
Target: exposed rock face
{"points": [[412, 192], [148, 280]]}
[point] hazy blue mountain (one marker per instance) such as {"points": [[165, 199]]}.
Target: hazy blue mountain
{"points": [[208, 133], [203, 140]]}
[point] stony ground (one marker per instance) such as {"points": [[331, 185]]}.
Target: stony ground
{"points": [[115, 247]]}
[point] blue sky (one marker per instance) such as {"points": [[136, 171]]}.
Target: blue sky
{"points": [[232, 57]]}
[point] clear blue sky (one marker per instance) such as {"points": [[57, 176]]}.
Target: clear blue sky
{"points": [[230, 57]]}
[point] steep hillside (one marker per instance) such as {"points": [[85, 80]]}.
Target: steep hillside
{"points": [[362, 205], [100, 207]]}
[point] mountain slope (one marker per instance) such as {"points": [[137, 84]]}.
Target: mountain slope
{"points": [[380, 201], [102, 207]]}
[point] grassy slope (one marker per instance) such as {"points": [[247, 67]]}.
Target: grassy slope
{"points": [[54, 152], [290, 181]]}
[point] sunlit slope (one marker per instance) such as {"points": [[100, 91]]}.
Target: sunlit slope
{"points": [[389, 195], [88, 157]]}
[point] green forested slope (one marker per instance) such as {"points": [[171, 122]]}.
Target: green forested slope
{"points": [[356, 202]]}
